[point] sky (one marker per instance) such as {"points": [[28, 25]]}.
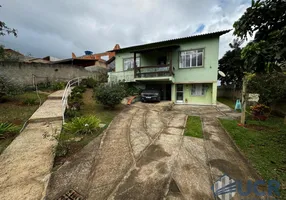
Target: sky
{"points": [[59, 27]]}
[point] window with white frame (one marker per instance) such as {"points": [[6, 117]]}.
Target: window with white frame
{"points": [[199, 89], [192, 58], [128, 63]]}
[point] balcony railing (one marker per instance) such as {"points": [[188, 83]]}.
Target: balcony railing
{"points": [[153, 71]]}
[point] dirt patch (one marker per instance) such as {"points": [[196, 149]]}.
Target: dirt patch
{"points": [[227, 168], [153, 153]]}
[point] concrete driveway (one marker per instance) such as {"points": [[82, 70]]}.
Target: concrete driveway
{"points": [[144, 155]]}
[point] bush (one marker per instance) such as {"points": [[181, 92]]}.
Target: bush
{"points": [[71, 113], [7, 88], [89, 82], [130, 89], [109, 95], [270, 87], [58, 85], [8, 128], [82, 125], [30, 101]]}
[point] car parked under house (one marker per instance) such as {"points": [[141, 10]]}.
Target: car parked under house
{"points": [[184, 70]]}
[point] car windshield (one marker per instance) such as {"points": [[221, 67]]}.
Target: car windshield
{"points": [[150, 91]]}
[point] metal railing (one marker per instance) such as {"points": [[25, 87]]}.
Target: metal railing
{"points": [[67, 93]]}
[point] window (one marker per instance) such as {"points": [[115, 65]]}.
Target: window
{"points": [[128, 63], [193, 58], [199, 89]]}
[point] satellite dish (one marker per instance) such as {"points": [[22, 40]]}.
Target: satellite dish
{"points": [[221, 73]]}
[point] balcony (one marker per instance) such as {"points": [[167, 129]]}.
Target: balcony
{"points": [[153, 71]]}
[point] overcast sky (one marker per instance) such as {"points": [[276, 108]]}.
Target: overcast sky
{"points": [[59, 27]]}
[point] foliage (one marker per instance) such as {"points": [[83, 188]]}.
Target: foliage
{"points": [[89, 82], [7, 128], [130, 89], [259, 109], [8, 88], [232, 65], [4, 29], [30, 101], [270, 87], [58, 86], [82, 125], [194, 127], [109, 95], [266, 19], [75, 100]]}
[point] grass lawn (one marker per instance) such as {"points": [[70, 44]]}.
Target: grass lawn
{"points": [[264, 144], [17, 110], [227, 101], [194, 127], [90, 107]]}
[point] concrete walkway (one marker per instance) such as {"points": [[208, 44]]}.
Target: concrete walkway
{"points": [[26, 163], [144, 155]]}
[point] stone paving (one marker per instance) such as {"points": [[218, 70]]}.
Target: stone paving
{"points": [[141, 155], [26, 163]]}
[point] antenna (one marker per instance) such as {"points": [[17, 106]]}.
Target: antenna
{"points": [[221, 73]]}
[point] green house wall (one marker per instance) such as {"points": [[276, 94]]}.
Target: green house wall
{"points": [[206, 74]]}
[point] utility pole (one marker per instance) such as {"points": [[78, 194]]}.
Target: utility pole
{"points": [[243, 101]]}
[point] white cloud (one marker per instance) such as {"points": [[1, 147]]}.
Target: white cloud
{"points": [[60, 27]]}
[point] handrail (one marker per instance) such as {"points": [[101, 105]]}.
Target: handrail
{"points": [[67, 93]]}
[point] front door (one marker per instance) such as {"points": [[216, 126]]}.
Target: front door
{"points": [[180, 93]]}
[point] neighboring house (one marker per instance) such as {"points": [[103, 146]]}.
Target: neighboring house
{"points": [[12, 55], [183, 69], [90, 60]]}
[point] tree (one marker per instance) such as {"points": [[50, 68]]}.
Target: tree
{"points": [[271, 87], [232, 65], [267, 20], [4, 29]]}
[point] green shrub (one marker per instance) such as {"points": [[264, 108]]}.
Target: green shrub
{"points": [[109, 95], [44, 86], [82, 125], [130, 89], [8, 128], [30, 101], [78, 89], [89, 82], [58, 85], [8, 88], [71, 113]]}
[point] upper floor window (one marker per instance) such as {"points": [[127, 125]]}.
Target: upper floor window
{"points": [[192, 58], [128, 63]]}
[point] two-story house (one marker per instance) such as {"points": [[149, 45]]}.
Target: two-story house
{"points": [[185, 69]]}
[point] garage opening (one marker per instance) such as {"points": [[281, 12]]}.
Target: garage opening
{"points": [[165, 89]]}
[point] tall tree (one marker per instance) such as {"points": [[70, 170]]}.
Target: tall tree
{"points": [[266, 20], [232, 65]]}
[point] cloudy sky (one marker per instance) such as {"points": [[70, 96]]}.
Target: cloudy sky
{"points": [[59, 27]]}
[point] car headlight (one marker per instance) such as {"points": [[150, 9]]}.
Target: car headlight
{"points": [[157, 94]]}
